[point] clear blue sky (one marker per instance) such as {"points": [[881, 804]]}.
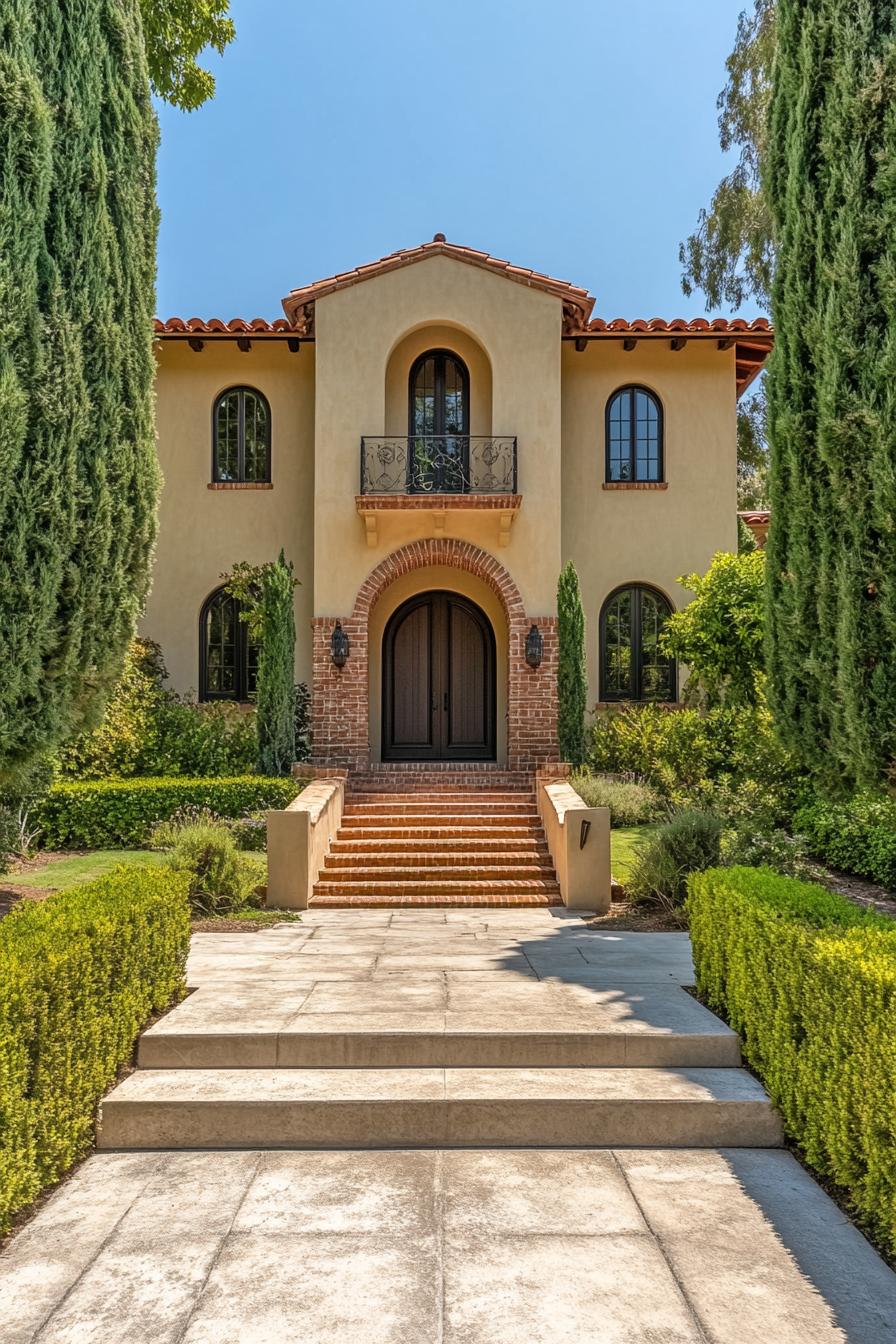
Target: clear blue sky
{"points": [[578, 137]]}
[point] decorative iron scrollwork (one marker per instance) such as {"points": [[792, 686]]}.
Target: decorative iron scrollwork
{"points": [[438, 464]]}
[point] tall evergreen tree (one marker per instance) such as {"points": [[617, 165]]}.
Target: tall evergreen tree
{"points": [[276, 696], [831, 185], [78, 473], [265, 594], [572, 682]]}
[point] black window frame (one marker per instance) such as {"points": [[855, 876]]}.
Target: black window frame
{"points": [[240, 478], [635, 686], [439, 355], [241, 693], [630, 389]]}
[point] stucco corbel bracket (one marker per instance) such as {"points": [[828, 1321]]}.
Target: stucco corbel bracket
{"points": [[505, 523], [370, 528]]}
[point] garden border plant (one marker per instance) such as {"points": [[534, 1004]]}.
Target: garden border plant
{"points": [[809, 981], [80, 975], [105, 814]]}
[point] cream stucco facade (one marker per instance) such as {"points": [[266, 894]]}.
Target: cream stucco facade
{"points": [[539, 371]]}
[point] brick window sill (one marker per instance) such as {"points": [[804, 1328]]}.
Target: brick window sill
{"points": [[635, 485], [240, 485]]}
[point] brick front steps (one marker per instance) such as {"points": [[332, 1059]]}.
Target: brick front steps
{"points": [[414, 837]]}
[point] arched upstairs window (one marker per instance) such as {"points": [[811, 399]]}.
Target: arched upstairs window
{"points": [[228, 658], [241, 437], [634, 436], [632, 665], [438, 423]]}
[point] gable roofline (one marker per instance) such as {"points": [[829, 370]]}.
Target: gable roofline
{"points": [[577, 303]]}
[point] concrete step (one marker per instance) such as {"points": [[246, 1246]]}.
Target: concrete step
{"points": [[434, 1107], [671, 1030], [427, 874]]}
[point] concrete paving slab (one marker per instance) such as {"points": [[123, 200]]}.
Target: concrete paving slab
{"points": [[567, 1246], [320, 1288], [158, 1257], [777, 1244], [563, 1290]]}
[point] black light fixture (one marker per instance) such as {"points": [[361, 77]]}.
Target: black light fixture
{"points": [[339, 645], [534, 647]]}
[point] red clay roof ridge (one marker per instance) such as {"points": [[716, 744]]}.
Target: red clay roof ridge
{"points": [[579, 300]]}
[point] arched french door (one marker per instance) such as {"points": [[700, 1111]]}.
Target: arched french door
{"points": [[439, 423], [438, 681]]}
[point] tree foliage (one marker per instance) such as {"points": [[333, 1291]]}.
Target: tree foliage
{"points": [[730, 255], [176, 33], [265, 593], [79, 478], [572, 682], [831, 183], [719, 634]]}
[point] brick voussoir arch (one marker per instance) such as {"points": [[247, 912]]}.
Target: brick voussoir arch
{"points": [[340, 696], [445, 551]]}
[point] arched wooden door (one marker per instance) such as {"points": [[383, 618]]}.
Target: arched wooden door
{"points": [[438, 681]]}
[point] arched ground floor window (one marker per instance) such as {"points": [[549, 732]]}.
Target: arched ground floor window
{"points": [[228, 657], [632, 664]]}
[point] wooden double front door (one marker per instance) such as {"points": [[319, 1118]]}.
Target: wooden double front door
{"points": [[438, 681]]}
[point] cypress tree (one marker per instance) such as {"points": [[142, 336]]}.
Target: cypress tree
{"points": [[276, 692], [572, 682], [78, 472], [831, 183]]}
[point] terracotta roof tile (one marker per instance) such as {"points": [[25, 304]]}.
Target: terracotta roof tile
{"points": [[580, 302], [214, 326]]}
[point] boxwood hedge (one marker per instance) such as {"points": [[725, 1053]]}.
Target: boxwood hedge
{"points": [[80, 975], [809, 982], [107, 813]]}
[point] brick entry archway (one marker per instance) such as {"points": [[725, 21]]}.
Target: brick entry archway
{"points": [[340, 696]]}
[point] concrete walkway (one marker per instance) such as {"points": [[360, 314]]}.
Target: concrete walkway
{"points": [[440, 1243]]}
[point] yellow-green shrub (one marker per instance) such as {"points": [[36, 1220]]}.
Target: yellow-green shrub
{"points": [[106, 813], [80, 974], [809, 982]]}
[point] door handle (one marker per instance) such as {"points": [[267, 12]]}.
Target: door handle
{"points": [[445, 705]]}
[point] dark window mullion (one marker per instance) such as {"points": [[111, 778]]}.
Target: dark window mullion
{"points": [[241, 436], [632, 435], [635, 655]]}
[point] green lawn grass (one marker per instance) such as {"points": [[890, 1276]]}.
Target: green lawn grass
{"points": [[623, 847], [75, 868]]}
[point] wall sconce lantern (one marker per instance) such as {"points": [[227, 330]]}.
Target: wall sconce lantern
{"points": [[534, 647], [339, 645]]}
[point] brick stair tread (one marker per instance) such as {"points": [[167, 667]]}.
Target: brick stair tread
{"points": [[449, 859], [429, 900], [517, 843], [447, 885], [437, 873], [449, 825]]}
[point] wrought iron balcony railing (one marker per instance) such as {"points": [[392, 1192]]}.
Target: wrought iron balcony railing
{"points": [[438, 464]]}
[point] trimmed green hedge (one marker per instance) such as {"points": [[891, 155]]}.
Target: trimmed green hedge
{"points": [[809, 982], [858, 836], [108, 813], [80, 975]]}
